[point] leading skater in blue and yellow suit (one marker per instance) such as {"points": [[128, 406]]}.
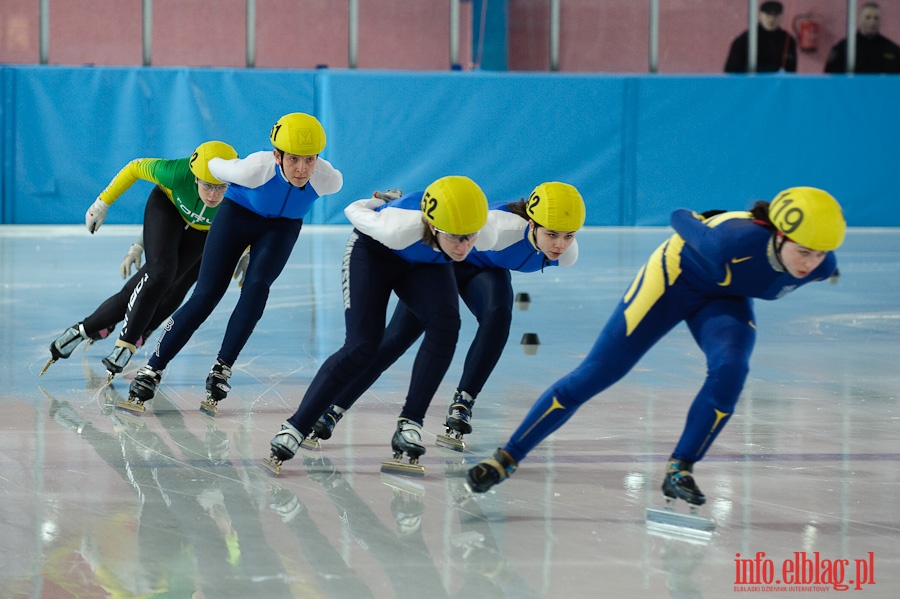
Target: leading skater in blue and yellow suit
{"points": [[705, 275]]}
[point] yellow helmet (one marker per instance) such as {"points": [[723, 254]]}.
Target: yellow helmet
{"points": [[810, 217], [298, 133], [556, 206], [455, 205], [206, 151]]}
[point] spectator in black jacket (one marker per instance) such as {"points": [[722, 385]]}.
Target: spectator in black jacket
{"points": [[874, 52], [776, 49]]}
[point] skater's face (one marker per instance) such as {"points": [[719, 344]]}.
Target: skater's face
{"points": [[552, 243], [800, 261], [455, 246], [211, 194], [297, 169]]}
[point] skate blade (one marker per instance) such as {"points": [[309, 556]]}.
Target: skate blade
{"points": [[310, 444], [272, 465], [109, 377], [47, 365], [209, 408], [397, 467], [404, 484], [133, 407], [668, 522], [450, 442]]}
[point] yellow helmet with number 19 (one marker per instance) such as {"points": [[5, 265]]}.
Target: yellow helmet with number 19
{"points": [[810, 217]]}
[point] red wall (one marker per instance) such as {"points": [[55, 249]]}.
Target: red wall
{"points": [[596, 35]]}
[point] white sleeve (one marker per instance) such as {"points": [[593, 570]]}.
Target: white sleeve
{"points": [[396, 228], [570, 256], [510, 228], [487, 236], [326, 179], [252, 171]]}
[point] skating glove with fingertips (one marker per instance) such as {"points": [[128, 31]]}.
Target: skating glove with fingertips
{"points": [[133, 257], [240, 271], [95, 215]]}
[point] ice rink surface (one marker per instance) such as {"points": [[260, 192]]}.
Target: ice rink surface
{"points": [[804, 483]]}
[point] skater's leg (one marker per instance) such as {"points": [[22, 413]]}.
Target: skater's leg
{"points": [[430, 292], [369, 270], [229, 235], [489, 296], [173, 297], [725, 332], [272, 247]]}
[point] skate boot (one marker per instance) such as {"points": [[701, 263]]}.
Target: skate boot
{"points": [[679, 484], [407, 439], [492, 471], [142, 389], [65, 344], [101, 334], [323, 428], [217, 387], [118, 359], [284, 446], [458, 422]]}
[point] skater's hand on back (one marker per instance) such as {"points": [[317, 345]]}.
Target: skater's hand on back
{"points": [[95, 215], [387, 196], [132, 257]]}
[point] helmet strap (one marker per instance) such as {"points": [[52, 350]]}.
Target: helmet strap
{"points": [[776, 242]]}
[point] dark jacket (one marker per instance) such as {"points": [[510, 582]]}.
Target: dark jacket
{"points": [[873, 55], [775, 50]]}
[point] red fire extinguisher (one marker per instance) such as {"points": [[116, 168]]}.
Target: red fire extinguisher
{"points": [[806, 29]]}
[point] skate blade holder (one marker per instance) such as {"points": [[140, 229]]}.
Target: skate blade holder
{"points": [[110, 375], [402, 483], [395, 466], [451, 440], [209, 407], [310, 443], [669, 523], [131, 406], [272, 465]]}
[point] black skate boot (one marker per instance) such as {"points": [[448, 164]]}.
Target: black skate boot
{"points": [[407, 439], [142, 389], [679, 483], [118, 359], [458, 423], [323, 428], [284, 446], [492, 471], [217, 387], [65, 344]]}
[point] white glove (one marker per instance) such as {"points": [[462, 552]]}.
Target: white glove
{"points": [[95, 215], [132, 257], [387, 196], [241, 268]]}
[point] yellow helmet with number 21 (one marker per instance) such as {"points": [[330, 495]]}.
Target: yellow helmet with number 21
{"points": [[298, 133], [455, 205], [810, 217]]}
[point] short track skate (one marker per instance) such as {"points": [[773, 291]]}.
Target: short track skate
{"points": [[132, 405], [451, 440], [209, 406], [311, 443], [670, 522], [407, 439], [272, 464], [458, 422]]}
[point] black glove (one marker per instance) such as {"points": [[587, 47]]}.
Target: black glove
{"points": [[711, 213]]}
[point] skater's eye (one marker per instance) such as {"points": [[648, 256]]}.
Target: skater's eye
{"points": [[213, 188]]}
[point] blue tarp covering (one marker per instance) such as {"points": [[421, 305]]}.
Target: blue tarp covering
{"points": [[637, 146]]}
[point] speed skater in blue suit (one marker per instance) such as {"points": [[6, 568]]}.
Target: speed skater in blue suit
{"points": [[705, 275]]}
